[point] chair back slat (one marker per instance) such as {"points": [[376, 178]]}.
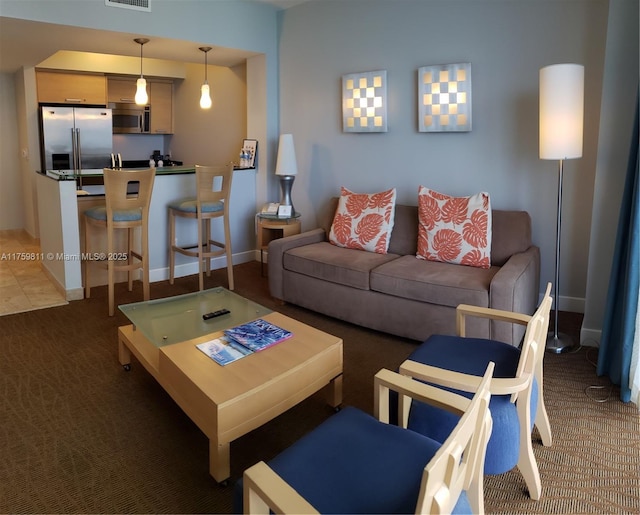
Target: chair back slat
{"points": [[116, 184], [213, 183], [460, 460], [536, 331]]}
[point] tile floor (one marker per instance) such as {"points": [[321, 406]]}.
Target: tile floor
{"points": [[23, 284]]}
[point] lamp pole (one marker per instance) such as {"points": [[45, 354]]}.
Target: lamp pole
{"points": [[558, 342]]}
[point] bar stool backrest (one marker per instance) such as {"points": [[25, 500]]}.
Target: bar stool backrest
{"points": [[118, 198], [213, 184]]}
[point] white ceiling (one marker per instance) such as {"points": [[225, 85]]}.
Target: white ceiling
{"points": [[28, 43]]}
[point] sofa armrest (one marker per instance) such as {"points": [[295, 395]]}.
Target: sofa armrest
{"points": [[277, 249], [515, 288]]}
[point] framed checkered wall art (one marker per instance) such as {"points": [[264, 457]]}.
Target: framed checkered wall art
{"points": [[364, 102], [444, 98]]}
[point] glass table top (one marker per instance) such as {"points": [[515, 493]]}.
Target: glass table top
{"points": [[176, 319]]}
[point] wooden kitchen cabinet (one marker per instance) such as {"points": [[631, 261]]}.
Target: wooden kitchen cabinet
{"points": [[161, 101], [121, 90], [71, 88]]}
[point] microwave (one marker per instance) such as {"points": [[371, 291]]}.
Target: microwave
{"points": [[130, 118]]}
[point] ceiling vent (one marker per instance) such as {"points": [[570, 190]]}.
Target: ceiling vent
{"points": [[136, 5]]}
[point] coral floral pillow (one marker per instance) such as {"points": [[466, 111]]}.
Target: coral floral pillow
{"points": [[454, 229], [364, 221]]}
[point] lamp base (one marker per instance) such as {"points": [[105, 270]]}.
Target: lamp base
{"points": [[559, 343], [286, 183]]}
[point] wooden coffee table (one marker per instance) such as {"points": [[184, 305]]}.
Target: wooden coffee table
{"points": [[226, 402]]}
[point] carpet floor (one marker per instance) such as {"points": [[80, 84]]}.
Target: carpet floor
{"points": [[80, 435]]}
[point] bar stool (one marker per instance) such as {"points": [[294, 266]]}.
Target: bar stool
{"points": [[213, 189], [122, 210]]}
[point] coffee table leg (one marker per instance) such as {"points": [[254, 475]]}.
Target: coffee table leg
{"points": [[219, 460], [124, 355], [334, 392]]}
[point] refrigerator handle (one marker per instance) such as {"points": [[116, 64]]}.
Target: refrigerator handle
{"points": [[79, 157]]}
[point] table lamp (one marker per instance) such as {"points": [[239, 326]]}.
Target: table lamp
{"points": [[286, 168]]}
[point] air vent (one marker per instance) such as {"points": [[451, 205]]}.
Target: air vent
{"points": [[136, 5]]}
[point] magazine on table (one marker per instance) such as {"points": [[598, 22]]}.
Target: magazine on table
{"points": [[223, 350], [258, 334]]}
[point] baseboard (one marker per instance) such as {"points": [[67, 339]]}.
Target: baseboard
{"points": [[590, 337], [191, 268], [72, 294], [571, 304]]}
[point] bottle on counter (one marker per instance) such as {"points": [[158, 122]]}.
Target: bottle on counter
{"points": [[152, 163]]}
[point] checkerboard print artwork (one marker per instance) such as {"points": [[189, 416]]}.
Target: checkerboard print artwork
{"points": [[444, 98], [364, 102]]}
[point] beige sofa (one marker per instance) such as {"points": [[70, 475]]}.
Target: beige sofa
{"points": [[400, 294]]}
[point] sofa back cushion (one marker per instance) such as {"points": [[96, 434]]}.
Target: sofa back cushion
{"points": [[511, 231]]}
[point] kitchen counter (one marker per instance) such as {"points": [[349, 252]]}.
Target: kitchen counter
{"points": [[162, 170], [61, 208]]}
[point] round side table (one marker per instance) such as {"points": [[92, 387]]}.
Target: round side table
{"points": [[272, 227]]}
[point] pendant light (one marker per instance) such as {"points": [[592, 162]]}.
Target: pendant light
{"points": [[141, 86], [205, 97]]}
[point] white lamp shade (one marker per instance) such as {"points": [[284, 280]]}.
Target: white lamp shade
{"points": [[205, 97], [286, 163], [561, 111], [141, 92]]}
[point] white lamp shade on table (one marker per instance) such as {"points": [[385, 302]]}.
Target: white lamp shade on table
{"points": [[561, 111], [286, 163]]}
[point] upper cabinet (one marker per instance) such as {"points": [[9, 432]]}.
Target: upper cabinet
{"points": [[123, 90], [71, 88], [161, 101]]}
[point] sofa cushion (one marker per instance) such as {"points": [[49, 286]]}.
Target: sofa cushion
{"points": [[364, 221], [454, 229], [335, 264], [443, 284]]}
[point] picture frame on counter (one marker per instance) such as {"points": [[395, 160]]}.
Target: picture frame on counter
{"points": [[250, 146]]}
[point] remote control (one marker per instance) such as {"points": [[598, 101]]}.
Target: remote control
{"points": [[215, 314]]}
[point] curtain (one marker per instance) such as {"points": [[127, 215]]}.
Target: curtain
{"points": [[619, 355]]}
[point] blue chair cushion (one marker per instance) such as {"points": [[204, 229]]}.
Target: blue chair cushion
{"points": [[471, 356], [188, 205], [120, 215], [352, 463]]}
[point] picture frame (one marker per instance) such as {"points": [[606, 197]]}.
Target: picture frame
{"points": [[251, 145]]}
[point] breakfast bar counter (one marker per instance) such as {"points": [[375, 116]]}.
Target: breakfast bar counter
{"points": [[60, 210]]}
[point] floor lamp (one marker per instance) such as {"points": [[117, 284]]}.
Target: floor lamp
{"points": [[561, 122]]}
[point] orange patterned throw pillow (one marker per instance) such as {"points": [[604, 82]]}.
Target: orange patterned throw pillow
{"points": [[363, 221], [454, 229]]}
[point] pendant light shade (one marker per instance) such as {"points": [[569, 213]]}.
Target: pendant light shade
{"points": [[141, 91], [141, 85], [205, 94]]}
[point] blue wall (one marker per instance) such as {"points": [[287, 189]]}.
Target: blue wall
{"points": [[507, 42]]}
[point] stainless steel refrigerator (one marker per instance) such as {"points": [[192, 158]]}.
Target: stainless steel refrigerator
{"points": [[76, 140]]}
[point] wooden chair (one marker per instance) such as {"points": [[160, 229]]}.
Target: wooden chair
{"points": [[517, 388], [122, 210], [213, 190], [356, 463]]}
